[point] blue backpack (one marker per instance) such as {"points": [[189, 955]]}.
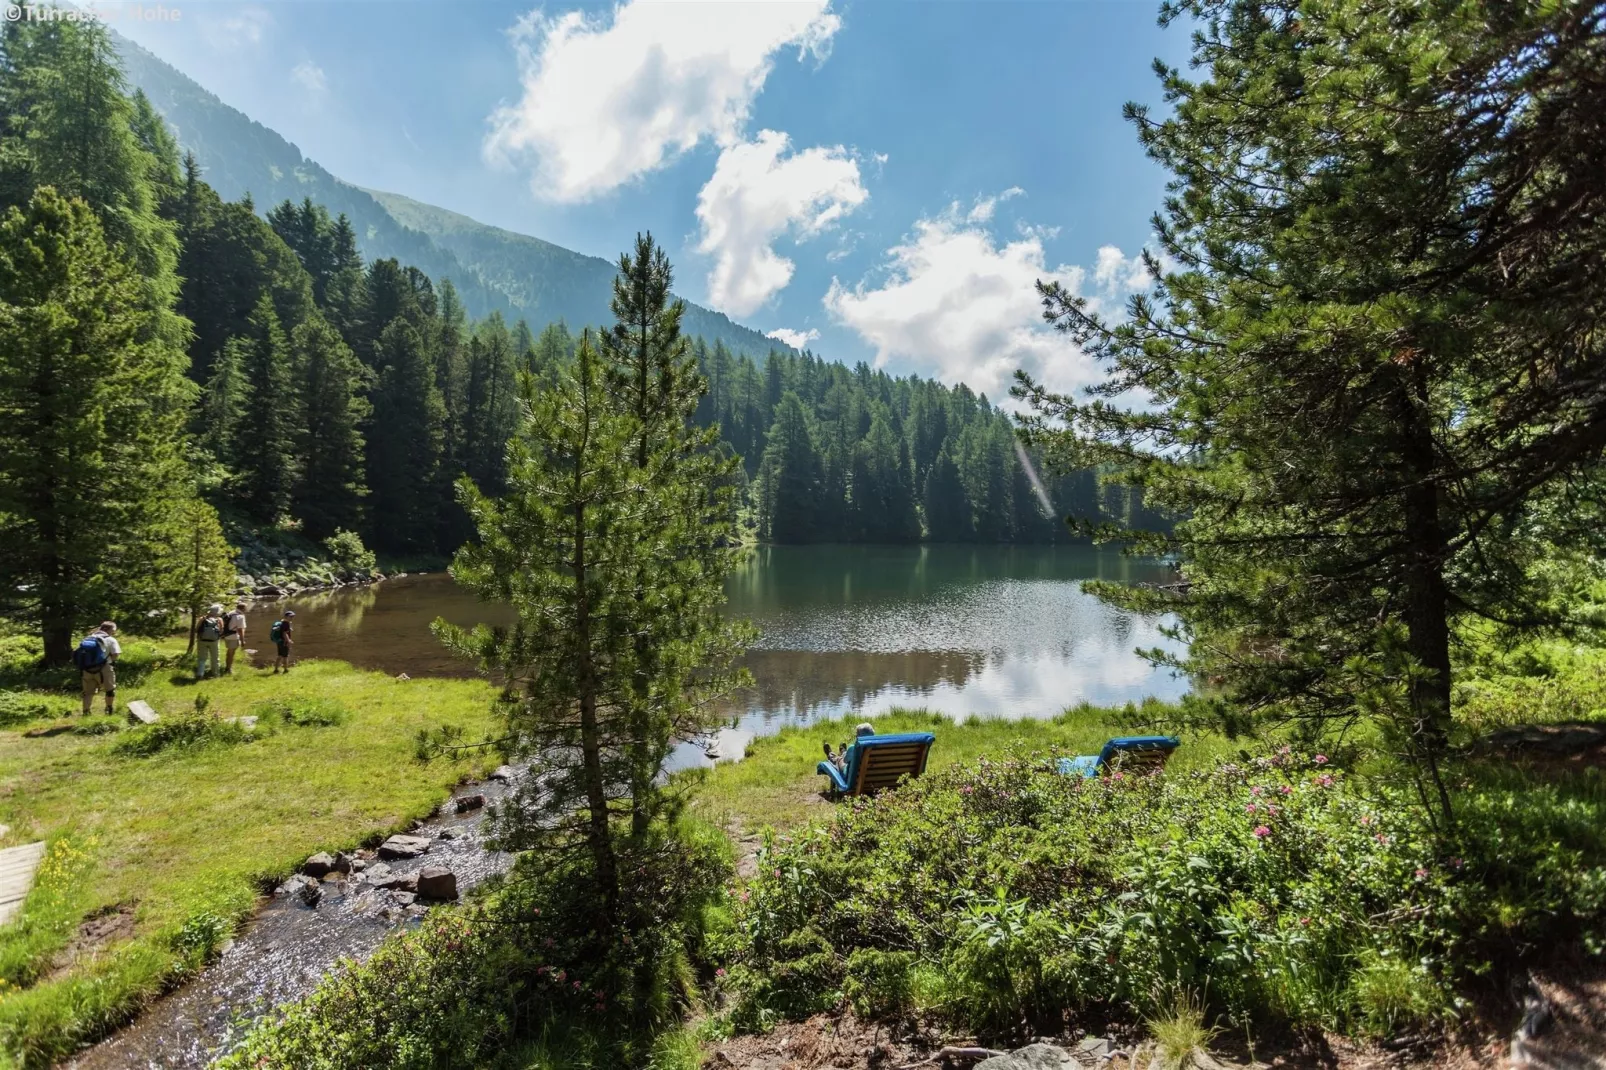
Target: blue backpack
{"points": [[90, 655]]}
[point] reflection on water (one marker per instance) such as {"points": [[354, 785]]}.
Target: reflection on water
{"points": [[995, 631]]}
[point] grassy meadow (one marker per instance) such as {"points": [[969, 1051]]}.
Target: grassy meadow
{"points": [[179, 834]]}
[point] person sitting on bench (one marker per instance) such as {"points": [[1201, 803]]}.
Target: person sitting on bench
{"points": [[840, 758]]}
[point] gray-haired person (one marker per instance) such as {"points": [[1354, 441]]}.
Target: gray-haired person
{"points": [[207, 633], [840, 758]]}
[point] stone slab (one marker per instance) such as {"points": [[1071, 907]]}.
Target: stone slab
{"points": [[140, 710], [17, 868]]}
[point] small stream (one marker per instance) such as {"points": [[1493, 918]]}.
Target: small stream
{"points": [[288, 947]]}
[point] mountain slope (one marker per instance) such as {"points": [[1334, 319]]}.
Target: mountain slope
{"points": [[493, 269], [547, 282]]}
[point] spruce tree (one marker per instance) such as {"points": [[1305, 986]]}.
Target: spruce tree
{"points": [[790, 478], [264, 441], [92, 479], [406, 441], [331, 486]]}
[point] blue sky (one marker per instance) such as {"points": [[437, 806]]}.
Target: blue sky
{"points": [[887, 174]]}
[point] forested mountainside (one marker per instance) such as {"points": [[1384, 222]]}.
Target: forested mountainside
{"points": [[547, 283], [493, 270]]}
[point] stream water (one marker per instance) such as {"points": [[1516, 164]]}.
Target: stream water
{"points": [[986, 631]]}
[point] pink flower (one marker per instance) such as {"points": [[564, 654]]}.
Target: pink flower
{"points": [[1274, 810], [1325, 781], [540, 971], [966, 790], [1366, 819], [1380, 838], [1251, 808], [1304, 921], [1456, 862], [745, 895], [1261, 832], [1285, 790], [563, 975], [1256, 790], [577, 986], [1421, 873], [536, 910], [720, 972], [1285, 750], [1117, 776], [1321, 759]]}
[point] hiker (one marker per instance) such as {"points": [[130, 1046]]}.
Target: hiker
{"points": [[94, 657], [207, 634], [279, 634], [233, 636], [840, 758]]}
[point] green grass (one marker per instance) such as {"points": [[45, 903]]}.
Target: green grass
{"points": [[187, 838], [776, 785]]}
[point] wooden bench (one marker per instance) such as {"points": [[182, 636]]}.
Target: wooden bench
{"points": [[876, 763]]}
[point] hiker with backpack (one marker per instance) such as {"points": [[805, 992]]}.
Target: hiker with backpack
{"points": [[233, 636], [94, 657], [279, 635], [207, 633]]}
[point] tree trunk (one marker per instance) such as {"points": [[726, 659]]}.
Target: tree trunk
{"points": [[598, 834], [1425, 595], [57, 636]]}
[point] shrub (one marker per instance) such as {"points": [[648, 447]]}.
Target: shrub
{"points": [[302, 712], [195, 729], [1280, 888], [346, 550]]}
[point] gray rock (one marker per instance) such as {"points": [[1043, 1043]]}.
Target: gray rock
{"points": [[403, 847], [343, 862], [437, 882], [505, 773], [358, 865], [375, 872], [403, 899], [398, 882], [311, 893], [1031, 1057], [470, 802], [447, 834], [291, 886], [319, 864]]}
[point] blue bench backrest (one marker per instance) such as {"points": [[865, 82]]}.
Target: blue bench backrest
{"points": [[878, 762]]}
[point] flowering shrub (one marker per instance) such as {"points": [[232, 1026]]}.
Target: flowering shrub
{"points": [[1007, 897]]}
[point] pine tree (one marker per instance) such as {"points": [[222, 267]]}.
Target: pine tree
{"points": [[653, 379], [206, 561], [1377, 345], [92, 478], [329, 494]]}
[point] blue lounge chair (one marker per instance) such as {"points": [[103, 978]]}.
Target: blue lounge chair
{"points": [[1137, 754], [878, 762]]}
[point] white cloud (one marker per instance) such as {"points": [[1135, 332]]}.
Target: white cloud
{"points": [[1116, 274], [758, 194], [242, 26], [605, 100], [309, 76], [961, 306], [982, 211], [795, 339]]}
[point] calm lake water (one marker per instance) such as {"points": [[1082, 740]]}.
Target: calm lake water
{"points": [[991, 630]]}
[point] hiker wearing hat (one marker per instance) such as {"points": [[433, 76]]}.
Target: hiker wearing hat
{"points": [[94, 657], [233, 636], [281, 637], [208, 630]]}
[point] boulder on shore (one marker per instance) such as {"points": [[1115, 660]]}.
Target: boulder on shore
{"points": [[470, 802], [319, 865], [400, 846], [437, 882], [1031, 1057]]}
